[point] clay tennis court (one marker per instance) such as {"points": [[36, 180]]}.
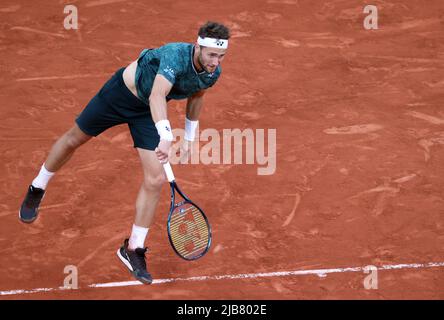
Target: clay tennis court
{"points": [[359, 181]]}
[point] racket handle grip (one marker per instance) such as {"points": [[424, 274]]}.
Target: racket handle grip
{"points": [[169, 172]]}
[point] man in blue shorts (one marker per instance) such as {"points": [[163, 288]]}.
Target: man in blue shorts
{"points": [[138, 95]]}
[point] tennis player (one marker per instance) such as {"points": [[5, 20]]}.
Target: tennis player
{"points": [[138, 95]]}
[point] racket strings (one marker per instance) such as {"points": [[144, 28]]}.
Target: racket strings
{"points": [[189, 231]]}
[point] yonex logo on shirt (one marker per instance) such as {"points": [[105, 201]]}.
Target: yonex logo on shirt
{"points": [[169, 70]]}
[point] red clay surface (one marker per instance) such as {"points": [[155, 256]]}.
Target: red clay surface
{"points": [[360, 142]]}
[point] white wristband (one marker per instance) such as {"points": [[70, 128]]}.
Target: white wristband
{"points": [[164, 130], [190, 129]]}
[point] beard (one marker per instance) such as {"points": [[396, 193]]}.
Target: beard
{"points": [[201, 62]]}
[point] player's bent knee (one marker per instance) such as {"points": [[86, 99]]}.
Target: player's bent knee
{"points": [[71, 141], [74, 140], [154, 182]]}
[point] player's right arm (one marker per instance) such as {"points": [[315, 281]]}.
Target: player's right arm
{"points": [[158, 106]]}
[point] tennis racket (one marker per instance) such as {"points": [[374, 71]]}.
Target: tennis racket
{"points": [[188, 228]]}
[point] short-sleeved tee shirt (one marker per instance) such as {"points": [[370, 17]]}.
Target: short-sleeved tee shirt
{"points": [[175, 62]]}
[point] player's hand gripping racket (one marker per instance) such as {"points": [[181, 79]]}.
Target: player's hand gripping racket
{"points": [[188, 228]]}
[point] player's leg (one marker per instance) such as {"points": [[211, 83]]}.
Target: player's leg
{"points": [[132, 253], [145, 137], [60, 153], [95, 118], [64, 148], [149, 192]]}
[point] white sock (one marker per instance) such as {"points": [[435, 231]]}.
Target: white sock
{"points": [[41, 181], [137, 239]]}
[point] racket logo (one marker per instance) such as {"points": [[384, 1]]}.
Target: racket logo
{"points": [[187, 228], [189, 246]]}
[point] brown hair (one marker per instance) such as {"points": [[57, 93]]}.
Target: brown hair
{"points": [[214, 30]]}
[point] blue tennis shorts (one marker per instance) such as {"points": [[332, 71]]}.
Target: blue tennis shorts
{"points": [[115, 104]]}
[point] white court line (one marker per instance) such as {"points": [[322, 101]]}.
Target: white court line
{"points": [[318, 272]]}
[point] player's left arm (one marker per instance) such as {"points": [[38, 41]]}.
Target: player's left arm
{"points": [[194, 107]]}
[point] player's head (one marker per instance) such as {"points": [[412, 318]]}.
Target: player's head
{"points": [[211, 45]]}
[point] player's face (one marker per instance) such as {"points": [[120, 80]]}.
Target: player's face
{"points": [[210, 58]]}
